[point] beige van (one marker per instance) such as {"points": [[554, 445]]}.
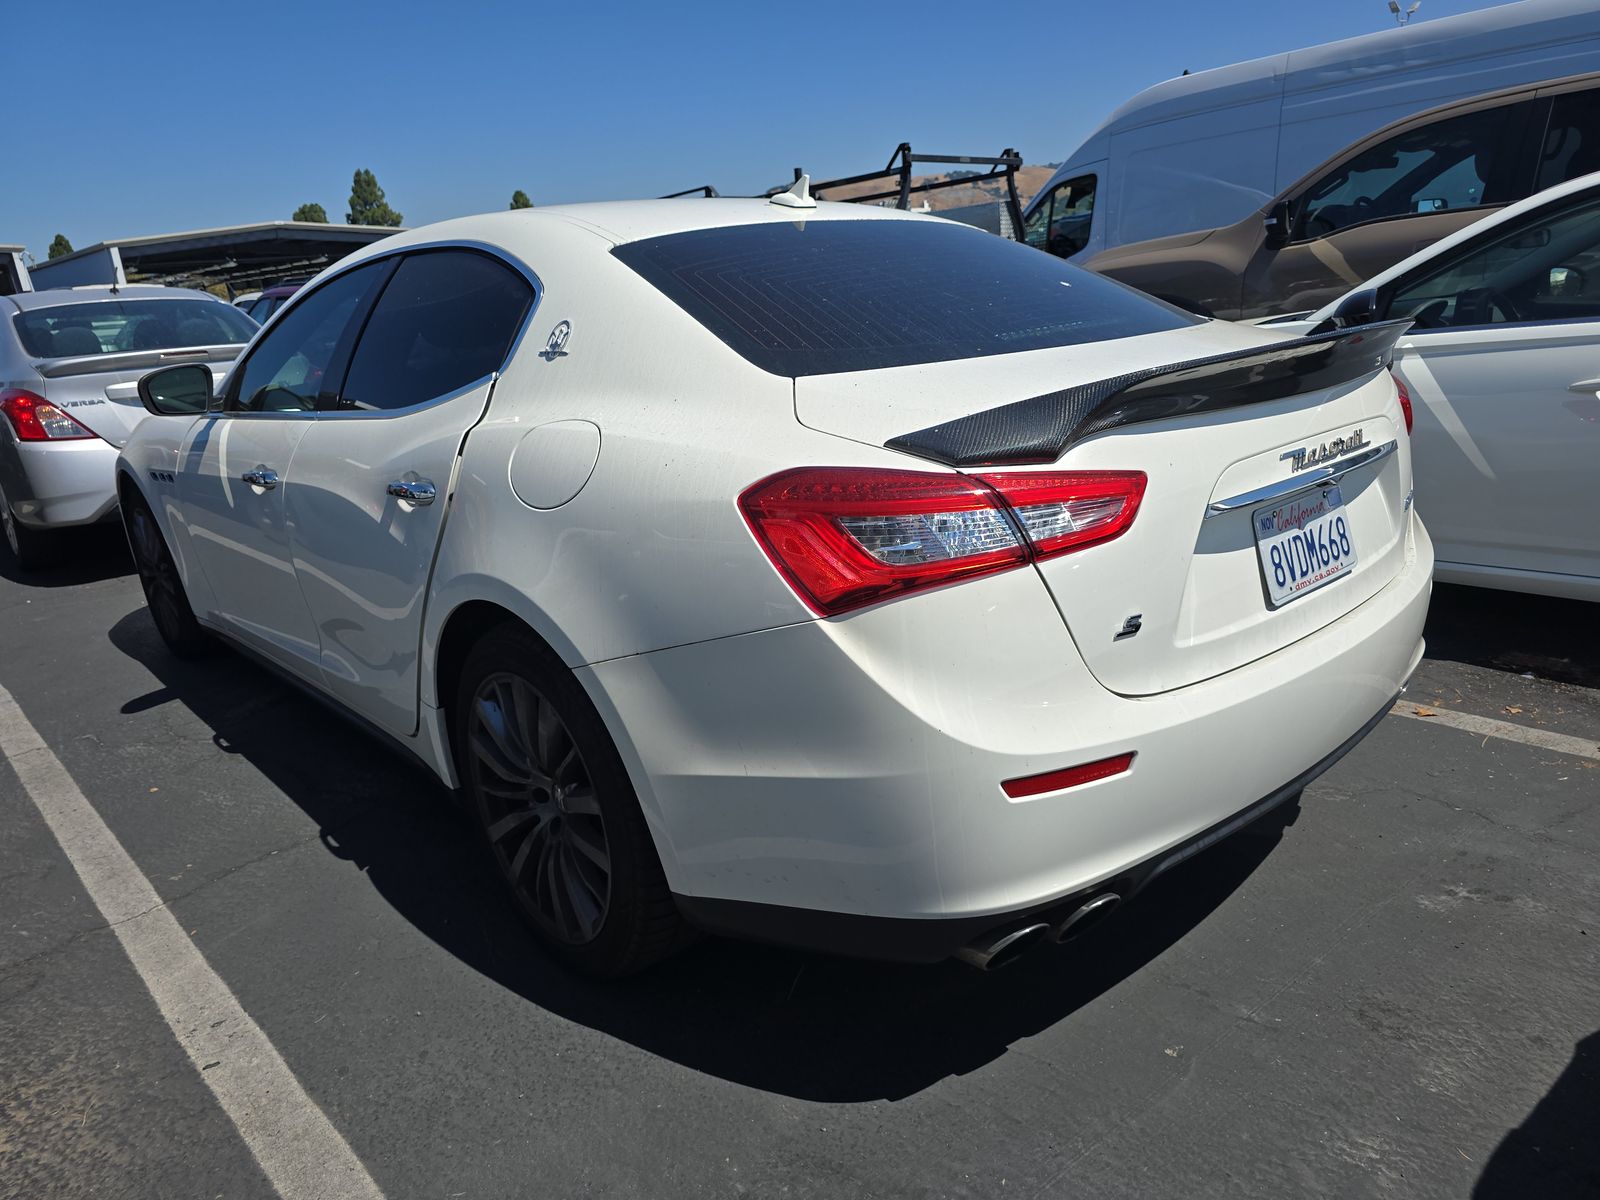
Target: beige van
{"points": [[1373, 204]]}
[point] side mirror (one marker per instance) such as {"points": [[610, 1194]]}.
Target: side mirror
{"points": [[1358, 308], [178, 391], [1567, 281], [1278, 221]]}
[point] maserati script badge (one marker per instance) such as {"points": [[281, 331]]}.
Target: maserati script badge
{"points": [[1315, 456]]}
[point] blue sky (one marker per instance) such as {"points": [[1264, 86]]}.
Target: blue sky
{"points": [[181, 116]]}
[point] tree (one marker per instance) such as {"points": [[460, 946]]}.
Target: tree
{"points": [[311, 212], [367, 204], [519, 199], [60, 246]]}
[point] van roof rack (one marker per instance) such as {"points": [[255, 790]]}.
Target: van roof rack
{"points": [[1004, 165]]}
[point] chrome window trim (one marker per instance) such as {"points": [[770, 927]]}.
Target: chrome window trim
{"points": [[346, 265]]}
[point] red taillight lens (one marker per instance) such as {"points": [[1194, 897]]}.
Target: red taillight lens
{"points": [[1055, 781], [1405, 402], [845, 537], [37, 420], [1068, 511]]}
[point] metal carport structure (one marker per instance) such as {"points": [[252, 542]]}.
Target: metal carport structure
{"points": [[238, 257]]}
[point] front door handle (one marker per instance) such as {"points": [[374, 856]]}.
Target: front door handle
{"points": [[413, 491], [1584, 385], [261, 477]]}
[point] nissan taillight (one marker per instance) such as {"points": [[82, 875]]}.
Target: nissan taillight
{"points": [[845, 537], [35, 419]]}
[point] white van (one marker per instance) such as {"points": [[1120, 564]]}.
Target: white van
{"points": [[1204, 151]]}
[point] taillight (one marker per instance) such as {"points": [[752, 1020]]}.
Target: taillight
{"points": [[845, 537], [1405, 401], [37, 420], [1068, 511]]}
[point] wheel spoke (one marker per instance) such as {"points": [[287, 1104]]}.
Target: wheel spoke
{"points": [[550, 733], [495, 747], [582, 802], [581, 898], [564, 768], [537, 838], [510, 823], [591, 845]]}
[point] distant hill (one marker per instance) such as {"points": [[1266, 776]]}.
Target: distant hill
{"points": [[1029, 181]]}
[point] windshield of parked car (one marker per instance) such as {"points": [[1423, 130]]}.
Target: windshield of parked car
{"points": [[118, 326], [818, 297]]}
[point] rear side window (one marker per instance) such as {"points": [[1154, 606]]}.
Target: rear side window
{"points": [[1446, 165], [445, 320], [118, 326], [1571, 140], [819, 297]]}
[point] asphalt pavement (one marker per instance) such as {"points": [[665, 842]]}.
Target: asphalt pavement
{"points": [[1390, 989]]}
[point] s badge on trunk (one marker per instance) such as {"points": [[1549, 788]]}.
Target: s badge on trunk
{"points": [[1130, 627]]}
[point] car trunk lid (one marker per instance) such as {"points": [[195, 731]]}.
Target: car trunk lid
{"points": [[1181, 595], [101, 391]]}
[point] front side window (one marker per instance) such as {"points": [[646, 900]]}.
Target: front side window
{"points": [[1547, 269], [1571, 140], [445, 320], [1446, 165], [286, 370], [818, 297], [118, 326], [1060, 222]]}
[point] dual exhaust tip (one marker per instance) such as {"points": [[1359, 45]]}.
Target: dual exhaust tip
{"points": [[1002, 946]]}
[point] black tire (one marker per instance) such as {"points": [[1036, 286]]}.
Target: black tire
{"points": [[29, 548], [163, 587], [558, 813]]}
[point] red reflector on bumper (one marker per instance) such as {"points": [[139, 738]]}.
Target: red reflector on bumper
{"points": [[1054, 781]]}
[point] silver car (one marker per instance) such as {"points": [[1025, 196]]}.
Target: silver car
{"points": [[70, 362]]}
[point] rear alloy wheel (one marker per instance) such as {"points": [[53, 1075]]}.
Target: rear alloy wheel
{"points": [[558, 811], [163, 589], [29, 548]]}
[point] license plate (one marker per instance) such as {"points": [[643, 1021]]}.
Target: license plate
{"points": [[1304, 544]]}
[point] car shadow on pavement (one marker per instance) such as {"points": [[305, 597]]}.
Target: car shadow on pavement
{"points": [[1555, 1152], [1544, 636], [804, 1025], [86, 555]]}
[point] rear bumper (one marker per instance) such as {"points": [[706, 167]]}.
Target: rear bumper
{"points": [[900, 939], [851, 768], [52, 484]]}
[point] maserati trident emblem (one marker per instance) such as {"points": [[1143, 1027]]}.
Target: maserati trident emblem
{"points": [[1314, 456], [556, 347]]}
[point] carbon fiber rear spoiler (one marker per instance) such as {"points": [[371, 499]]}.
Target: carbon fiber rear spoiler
{"points": [[1042, 428]]}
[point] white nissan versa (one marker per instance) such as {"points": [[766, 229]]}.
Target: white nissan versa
{"points": [[817, 574]]}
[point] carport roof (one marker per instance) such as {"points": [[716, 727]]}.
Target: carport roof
{"points": [[240, 256]]}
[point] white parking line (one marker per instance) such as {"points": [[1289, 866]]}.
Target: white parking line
{"points": [[303, 1155], [1488, 727]]}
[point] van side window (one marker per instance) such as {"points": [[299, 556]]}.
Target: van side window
{"points": [[1060, 222], [1547, 269], [1571, 140], [1448, 164]]}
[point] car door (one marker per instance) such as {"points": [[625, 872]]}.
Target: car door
{"points": [[373, 478], [237, 462], [1385, 201], [1503, 367]]}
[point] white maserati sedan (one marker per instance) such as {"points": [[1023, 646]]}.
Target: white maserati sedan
{"points": [[1502, 364], [816, 574]]}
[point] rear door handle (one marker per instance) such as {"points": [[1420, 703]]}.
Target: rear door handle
{"points": [[1584, 385], [261, 477], [413, 491]]}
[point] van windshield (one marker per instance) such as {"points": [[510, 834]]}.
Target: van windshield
{"points": [[819, 297], [118, 326]]}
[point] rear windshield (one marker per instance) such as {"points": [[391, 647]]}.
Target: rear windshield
{"points": [[117, 326], [818, 297]]}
